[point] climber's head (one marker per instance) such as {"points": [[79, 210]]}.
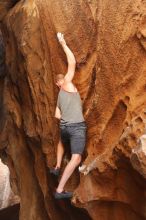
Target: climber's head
{"points": [[59, 79]]}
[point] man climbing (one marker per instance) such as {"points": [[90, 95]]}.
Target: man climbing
{"points": [[72, 123]]}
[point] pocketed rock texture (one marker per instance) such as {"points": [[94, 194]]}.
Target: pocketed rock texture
{"points": [[108, 40]]}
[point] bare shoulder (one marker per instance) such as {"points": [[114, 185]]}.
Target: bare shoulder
{"points": [[69, 86]]}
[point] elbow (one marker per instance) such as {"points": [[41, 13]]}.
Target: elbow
{"points": [[72, 61], [72, 64]]}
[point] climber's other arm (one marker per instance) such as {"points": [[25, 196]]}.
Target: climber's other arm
{"points": [[70, 58], [57, 113]]}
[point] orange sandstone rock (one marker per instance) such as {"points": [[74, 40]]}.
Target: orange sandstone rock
{"points": [[108, 40]]}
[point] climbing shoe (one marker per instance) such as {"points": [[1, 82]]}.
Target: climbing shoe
{"points": [[55, 171], [63, 195]]}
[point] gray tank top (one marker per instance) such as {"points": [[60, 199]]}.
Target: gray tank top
{"points": [[70, 105]]}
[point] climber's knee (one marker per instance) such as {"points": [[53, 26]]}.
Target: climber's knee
{"points": [[76, 158]]}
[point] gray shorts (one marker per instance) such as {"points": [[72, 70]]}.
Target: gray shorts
{"points": [[74, 134]]}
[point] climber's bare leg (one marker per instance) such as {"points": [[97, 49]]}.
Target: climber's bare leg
{"points": [[60, 153], [73, 163]]}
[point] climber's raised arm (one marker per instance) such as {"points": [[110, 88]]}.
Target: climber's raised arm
{"points": [[70, 58]]}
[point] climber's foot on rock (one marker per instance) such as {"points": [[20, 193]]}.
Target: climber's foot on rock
{"points": [[55, 171], [63, 195]]}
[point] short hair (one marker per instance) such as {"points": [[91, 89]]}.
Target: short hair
{"points": [[58, 77]]}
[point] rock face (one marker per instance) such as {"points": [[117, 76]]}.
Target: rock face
{"points": [[108, 40]]}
